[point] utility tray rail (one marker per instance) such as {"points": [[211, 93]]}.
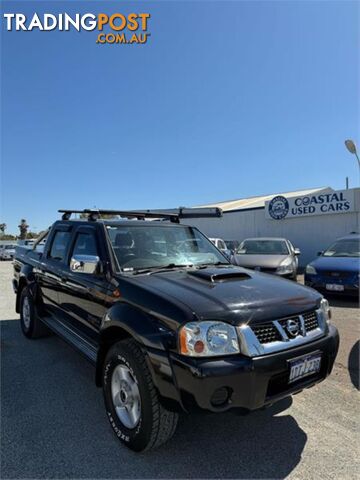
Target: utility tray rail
{"points": [[173, 215]]}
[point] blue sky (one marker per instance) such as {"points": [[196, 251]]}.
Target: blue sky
{"points": [[227, 100]]}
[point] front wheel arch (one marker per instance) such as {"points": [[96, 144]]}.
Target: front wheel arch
{"points": [[124, 322], [108, 338]]}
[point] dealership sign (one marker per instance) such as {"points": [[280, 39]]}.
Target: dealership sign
{"points": [[319, 203]]}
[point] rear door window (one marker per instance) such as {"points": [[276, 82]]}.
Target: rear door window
{"points": [[60, 246]]}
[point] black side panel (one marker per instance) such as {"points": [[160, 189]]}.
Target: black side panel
{"points": [[71, 336]]}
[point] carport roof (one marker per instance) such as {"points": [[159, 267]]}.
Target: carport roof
{"points": [[259, 202]]}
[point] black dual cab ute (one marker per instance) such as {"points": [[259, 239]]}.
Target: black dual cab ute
{"points": [[170, 325]]}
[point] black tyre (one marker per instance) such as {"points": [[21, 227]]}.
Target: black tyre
{"points": [[131, 400], [31, 325]]}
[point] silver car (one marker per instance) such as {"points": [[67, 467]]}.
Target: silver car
{"points": [[221, 245], [7, 252], [268, 255]]}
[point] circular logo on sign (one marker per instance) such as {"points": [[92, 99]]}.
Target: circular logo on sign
{"points": [[278, 207], [292, 328]]}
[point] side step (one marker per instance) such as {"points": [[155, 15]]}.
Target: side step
{"points": [[70, 336]]}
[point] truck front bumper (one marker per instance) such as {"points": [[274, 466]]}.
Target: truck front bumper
{"points": [[248, 383]]}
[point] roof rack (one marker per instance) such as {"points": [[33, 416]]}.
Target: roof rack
{"points": [[174, 215]]}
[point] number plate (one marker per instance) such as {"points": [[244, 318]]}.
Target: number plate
{"points": [[304, 366], [333, 287]]}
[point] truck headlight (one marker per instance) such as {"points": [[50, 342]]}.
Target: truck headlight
{"points": [[325, 309], [310, 270], [208, 339]]}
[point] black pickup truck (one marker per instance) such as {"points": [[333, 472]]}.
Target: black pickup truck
{"points": [[170, 325]]}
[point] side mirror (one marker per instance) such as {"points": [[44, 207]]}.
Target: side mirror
{"points": [[85, 264], [320, 253], [297, 251]]}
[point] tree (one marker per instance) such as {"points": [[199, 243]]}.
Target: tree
{"points": [[7, 236], [32, 235], [23, 229]]}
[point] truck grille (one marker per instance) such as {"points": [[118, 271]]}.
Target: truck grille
{"points": [[311, 321], [268, 332]]}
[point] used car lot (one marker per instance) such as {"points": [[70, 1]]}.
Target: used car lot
{"points": [[53, 419]]}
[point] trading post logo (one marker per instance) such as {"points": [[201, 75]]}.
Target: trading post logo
{"points": [[116, 28]]}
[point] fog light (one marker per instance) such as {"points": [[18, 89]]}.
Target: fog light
{"points": [[220, 397]]}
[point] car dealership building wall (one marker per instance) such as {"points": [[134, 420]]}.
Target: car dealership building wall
{"points": [[309, 232]]}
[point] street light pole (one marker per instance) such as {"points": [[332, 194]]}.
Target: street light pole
{"points": [[350, 145]]}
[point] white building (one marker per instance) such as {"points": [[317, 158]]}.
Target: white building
{"points": [[311, 219]]}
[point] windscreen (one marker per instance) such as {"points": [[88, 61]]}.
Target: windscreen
{"points": [[152, 246], [344, 248], [263, 247]]}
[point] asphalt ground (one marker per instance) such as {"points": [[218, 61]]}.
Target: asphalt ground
{"points": [[53, 423]]}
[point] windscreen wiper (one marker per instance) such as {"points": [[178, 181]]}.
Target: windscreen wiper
{"points": [[161, 268], [205, 265], [171, 266]]}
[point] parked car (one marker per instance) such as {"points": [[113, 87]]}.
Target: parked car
{"points": [[170, 333], [220, 244], [268, 255], [26, 243], [232, 245], [7, 251], [337, 269]]}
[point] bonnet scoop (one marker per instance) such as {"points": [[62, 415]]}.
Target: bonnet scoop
{"points": [[214, 275]]}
